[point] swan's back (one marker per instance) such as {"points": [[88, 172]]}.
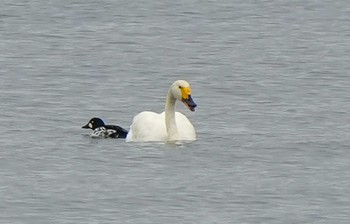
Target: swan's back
{"points": [[147, 126]]}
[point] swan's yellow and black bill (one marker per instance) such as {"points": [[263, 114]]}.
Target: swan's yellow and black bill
{"points": [[187, 99], [185, 92], [189, 103]]}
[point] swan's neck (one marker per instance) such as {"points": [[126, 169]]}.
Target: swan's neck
{"points": [[170, 121]]}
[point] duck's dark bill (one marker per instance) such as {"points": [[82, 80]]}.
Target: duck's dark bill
{"points": [[189, 103], [86, 126]]}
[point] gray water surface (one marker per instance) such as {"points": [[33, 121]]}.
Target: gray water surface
{"points": [[271, 80]]}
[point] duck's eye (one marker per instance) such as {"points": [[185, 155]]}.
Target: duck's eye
{"points": [[92, 122], [180, 87]]}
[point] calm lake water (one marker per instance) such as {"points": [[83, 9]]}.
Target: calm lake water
{"points": [[271, 80]]}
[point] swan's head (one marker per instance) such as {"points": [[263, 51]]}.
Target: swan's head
{"points": [[181, 90]]}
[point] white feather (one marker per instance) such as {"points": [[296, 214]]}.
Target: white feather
{"points": [[150, 126]]}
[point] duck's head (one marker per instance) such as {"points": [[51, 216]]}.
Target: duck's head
{"points": [[94, 123], [181, 90]]}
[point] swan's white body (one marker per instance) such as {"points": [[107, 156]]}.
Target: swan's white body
{"points": [[169, 125]]}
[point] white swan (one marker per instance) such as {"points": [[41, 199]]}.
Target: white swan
{"points": [[169, 125]]}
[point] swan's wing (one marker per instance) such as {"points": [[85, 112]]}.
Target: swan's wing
{"points": [[148, 126]]}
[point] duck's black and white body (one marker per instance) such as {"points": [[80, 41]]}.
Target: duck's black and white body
{"points": [[101, 130]]}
